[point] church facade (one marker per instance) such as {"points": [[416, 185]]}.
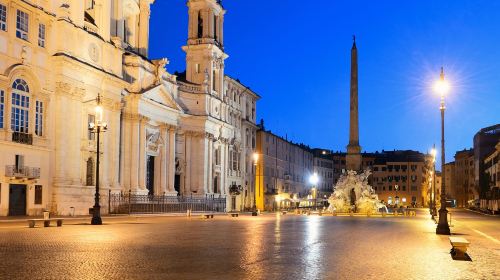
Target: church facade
{"points": [[186, 134]]}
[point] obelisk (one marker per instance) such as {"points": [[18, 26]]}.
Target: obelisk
{"points": [[353, 158]]}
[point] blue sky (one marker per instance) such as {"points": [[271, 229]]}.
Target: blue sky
{"points": [[296, 55]]}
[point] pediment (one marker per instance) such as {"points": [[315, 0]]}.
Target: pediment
{"points": [[162, 96]]}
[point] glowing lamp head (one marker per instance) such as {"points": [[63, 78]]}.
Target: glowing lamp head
{"points": [[314, 179], [442, 87], [98, 113], [255, 158]]}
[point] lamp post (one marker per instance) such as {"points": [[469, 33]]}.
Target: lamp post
{"points": [[433, 184], [255, 162], [97, 128], [442, 88], [314, 181]]}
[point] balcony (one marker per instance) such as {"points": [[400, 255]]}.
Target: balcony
{"points": [[22, 172], [22, 138]]}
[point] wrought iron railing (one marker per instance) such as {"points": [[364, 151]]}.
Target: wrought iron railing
{"points": [[22, 138], [127, 203], [22, 172]]}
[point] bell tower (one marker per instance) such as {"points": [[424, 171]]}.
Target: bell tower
{"points": [[205, 45]]}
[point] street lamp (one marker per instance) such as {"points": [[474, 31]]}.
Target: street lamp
{"points": [[97, 127], [255, 162], [314, 181], [442, 87], [433, 183]]}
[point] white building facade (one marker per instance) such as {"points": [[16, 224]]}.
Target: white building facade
{"points": [[167, 135]]}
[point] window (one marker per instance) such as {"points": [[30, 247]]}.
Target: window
{"points": [[403, 199], [197, 68], [404, 188], [216, 19], [89, 4], [41, 35], [90, 135], [2, 106], [20, 106], [38, 194], [39, 118], [125, 31], [89, 179], [414, 188], [22, 24], [390, 188], [200, 25], [3, 18], [217, 156], [213, 80]]}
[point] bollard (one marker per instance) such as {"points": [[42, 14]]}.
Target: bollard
{"points": [[46, 215]]}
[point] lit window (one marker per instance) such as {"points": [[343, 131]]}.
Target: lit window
{"points": [[90, 135], [403, 199], [20, 106], [41, 35], [22, 24], [2, 102], [389, 200], [39, 118], [3, 18]]}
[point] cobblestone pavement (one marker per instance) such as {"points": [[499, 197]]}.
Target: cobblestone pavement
{"points": [[264, 247]]}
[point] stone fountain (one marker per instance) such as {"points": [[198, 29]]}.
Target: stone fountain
{"points": [[354, 194]]}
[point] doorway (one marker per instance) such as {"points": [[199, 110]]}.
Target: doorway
{"points": [[150, 175], [216, 184], [177, 184], [17, 200]]}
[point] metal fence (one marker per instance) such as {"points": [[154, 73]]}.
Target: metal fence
{"points": [[141, 204]]}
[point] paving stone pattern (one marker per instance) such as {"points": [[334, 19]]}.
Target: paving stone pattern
{"points": [[266, 247]]}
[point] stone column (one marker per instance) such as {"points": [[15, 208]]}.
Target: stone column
{"points": [[210, 171], [142, 155], [144, 16], [206, 23], [134, 154], [221, 29], [164, 155], [187, 173], [171, 161]]}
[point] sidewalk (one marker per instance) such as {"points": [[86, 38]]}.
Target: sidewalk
{"points": [[22, 220]]}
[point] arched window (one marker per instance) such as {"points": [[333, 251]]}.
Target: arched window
{"points": [[200, 25], [20, 106], [89, 180], [216, 20]]}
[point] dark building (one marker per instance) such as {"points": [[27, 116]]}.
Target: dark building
{"points": [[484, 144], [398, 177]]}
